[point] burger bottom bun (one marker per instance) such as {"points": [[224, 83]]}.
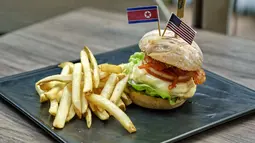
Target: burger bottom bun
{"points": [[150, 102]]}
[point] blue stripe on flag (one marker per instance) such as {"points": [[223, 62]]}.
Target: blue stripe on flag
{"points": [[141, 21], [142, 8]]}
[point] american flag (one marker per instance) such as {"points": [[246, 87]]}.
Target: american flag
{"points": [[181, 29]]}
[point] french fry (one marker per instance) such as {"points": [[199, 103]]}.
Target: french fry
{"points": [[88, 85], [118, 90], [96, 78], [104, 79], [126, 90], [76, 87], [55, 94], [52, 94], [53, 107], [84, 103], [121, 105], [113, 110], [59, 94], [92, 107], [103, 74], [126, 99], [109, 86], [49, 85], [97, 90], [71, 113], [121, 75], [57, 77], [64, 105], [110, 68], [88, 117], [66, 70], [101, 84], [101, 115], [43, 97], [70, 64], [99, 109]]}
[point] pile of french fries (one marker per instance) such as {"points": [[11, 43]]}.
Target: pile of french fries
{"points": [[84, 88]]}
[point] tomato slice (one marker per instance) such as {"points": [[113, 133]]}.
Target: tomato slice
{"points": [[171, 74], [199, 76]]}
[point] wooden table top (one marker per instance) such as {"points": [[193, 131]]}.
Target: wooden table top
{"points": [[61, 39]]}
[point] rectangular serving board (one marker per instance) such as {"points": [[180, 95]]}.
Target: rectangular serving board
{"points": [[217, 101]]}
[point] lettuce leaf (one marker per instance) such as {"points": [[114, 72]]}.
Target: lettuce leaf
{"points": [[150, 91], [134, 59]]}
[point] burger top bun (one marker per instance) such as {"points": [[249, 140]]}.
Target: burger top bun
{"points": [[171, 50]]}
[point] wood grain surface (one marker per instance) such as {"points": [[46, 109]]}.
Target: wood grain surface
{"points": [[61, 39]]}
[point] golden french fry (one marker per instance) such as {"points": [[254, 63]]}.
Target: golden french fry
{"points": [[126, 99], [110, 68], [99, 109], [118, 90], [109, 86], [70, 64], [43, 97], [59, 94], [53, 93], [57, 77], [56, 92], [101, 84], [64, 105], [121, 105], [103, 74], [92, 107], [53, 107], [49, 85], [97, 90], [76, 87], [113, 110], [126, 90], [88, 117], [84, 103], [88, 85], [104, 79], [70, 114], [96, 78], [66, 70], [121, 76], [101, 115]]}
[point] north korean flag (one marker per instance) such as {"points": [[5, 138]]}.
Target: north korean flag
{"points": [[142, 14]]}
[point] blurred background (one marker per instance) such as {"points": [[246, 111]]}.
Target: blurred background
{"points": [[230, 17]]}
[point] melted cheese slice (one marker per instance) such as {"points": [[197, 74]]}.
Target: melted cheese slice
{"points": [[181, 89]]}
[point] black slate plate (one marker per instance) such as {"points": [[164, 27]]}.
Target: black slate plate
{"points": [[217, 101]]}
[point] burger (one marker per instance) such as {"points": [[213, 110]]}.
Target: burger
{"points": [[165, 73]]}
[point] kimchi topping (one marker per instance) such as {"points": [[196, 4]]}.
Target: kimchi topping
{"points": [[171, 74]]}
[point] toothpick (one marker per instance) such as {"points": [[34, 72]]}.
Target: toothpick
{"points": [[180, 10], [164, 31], [159, 31]]}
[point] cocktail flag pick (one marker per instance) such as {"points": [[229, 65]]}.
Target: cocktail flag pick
{"points": [[178, 26], [181, 29], [143, 14], [180, 12], [180, 8]]}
